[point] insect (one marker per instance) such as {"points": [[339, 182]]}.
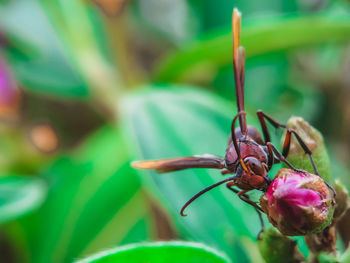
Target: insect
{"points": [[248, 157]]}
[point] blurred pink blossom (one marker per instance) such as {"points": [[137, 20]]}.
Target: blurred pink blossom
{"points": [[9, 94]]}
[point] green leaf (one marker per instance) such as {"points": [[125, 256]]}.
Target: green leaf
{"points": [[258, 37], [80, 27], [159, 252], [20, 196], [173, 121], [36, 54]]}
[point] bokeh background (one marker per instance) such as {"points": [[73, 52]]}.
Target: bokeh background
{"points": [[87, 86]]}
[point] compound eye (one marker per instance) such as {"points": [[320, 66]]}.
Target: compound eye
{"points": [[256, 166]]}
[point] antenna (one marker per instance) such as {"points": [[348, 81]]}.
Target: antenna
{"points": [[203, 192]]}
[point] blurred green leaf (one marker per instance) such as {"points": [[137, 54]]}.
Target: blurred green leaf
{"points": [[177, 26], [93, 202], [160, 252], [80, 27], [218, 13], [172, 121], [36, 54], [258, 37], [19, 196]]}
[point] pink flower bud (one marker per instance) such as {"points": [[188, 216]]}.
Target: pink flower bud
{"points": [[298, 203], [9, 94]]}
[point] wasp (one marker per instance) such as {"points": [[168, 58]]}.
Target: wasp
{"points": [[249, 157]]}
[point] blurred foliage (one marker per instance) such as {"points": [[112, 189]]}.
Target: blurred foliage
{"points": [[97, 86], [92, 192], [37, 55]]}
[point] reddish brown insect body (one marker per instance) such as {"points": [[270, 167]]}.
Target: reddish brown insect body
{"points": [[248, 156], [254, 157]]}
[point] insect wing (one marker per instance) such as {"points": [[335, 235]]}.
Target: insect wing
{"points": [[181, 163]]}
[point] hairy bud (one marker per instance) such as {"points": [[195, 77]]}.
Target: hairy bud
{"points": [[298, 204]]}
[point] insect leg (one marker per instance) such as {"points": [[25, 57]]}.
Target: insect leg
{"points": [[224, 172], [281, 157], [243, 196], [247, 200], [270, 158], [246, 197], [262, 116], [286, 147]]}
